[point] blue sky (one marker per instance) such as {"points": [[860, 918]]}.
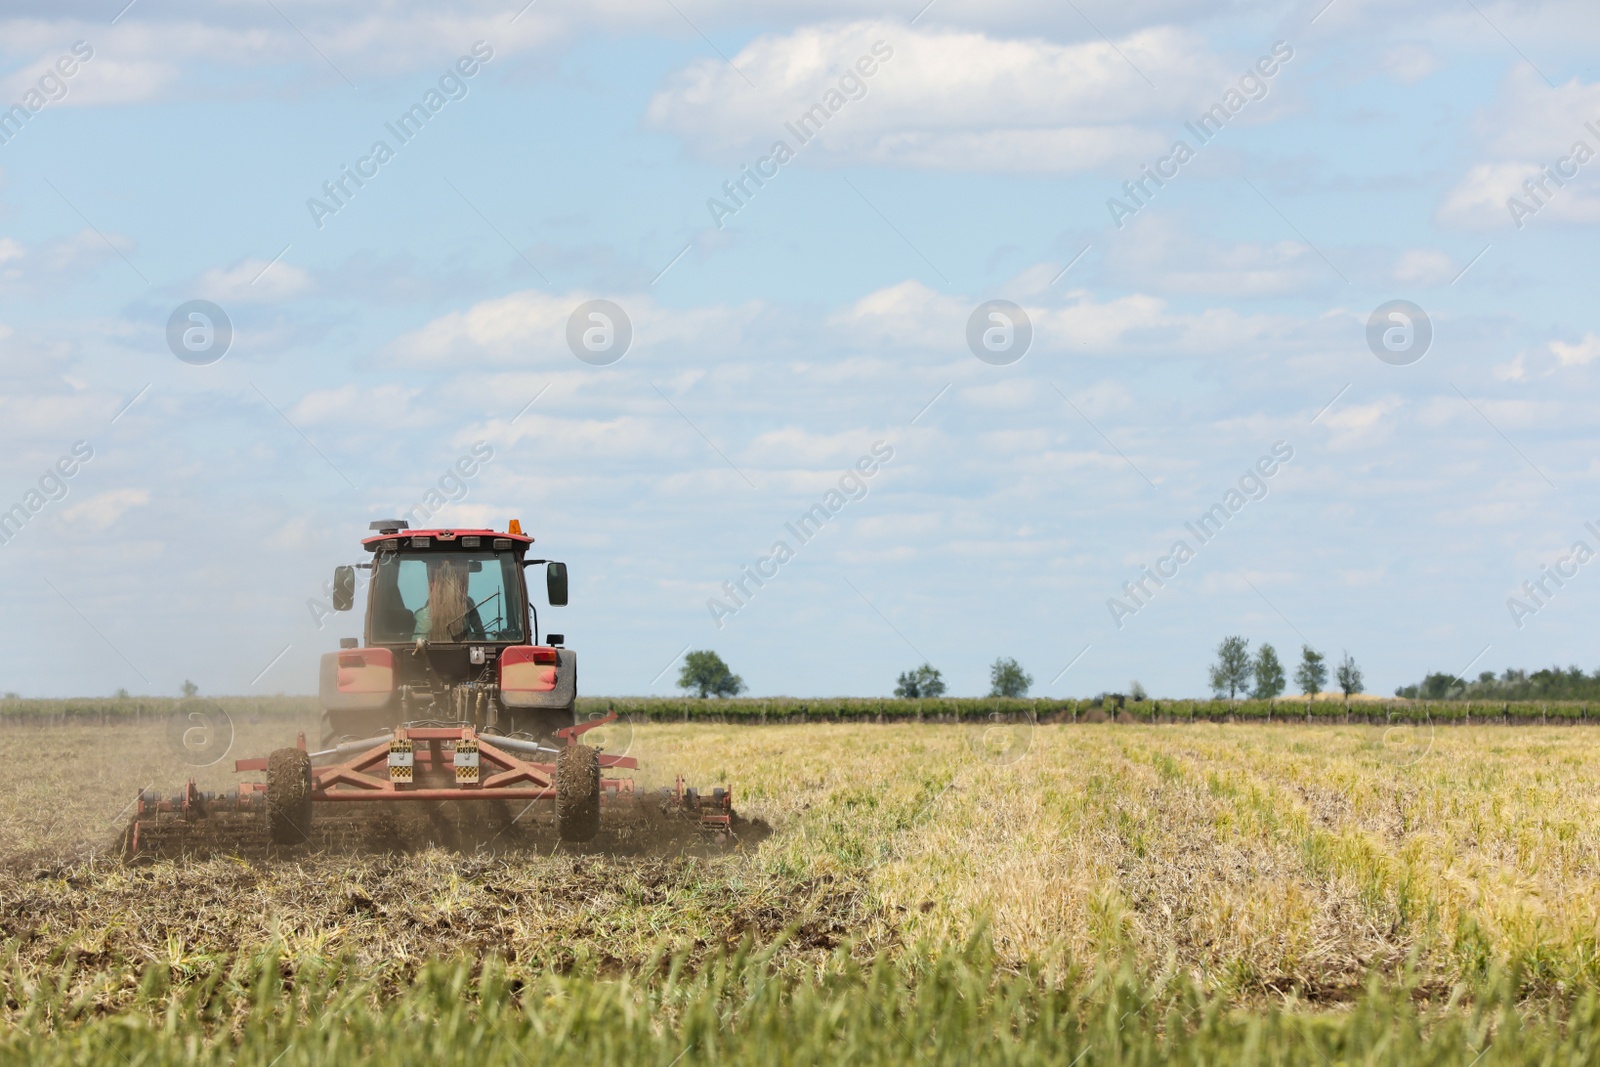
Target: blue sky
{"points": [[772, 351]]}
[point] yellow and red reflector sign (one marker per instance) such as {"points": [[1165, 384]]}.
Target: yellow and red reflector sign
{"points": [[467, 761], [401, 761]]}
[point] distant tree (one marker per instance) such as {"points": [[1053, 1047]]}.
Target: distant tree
{"points": [[1436, 686], [1008, 679], [189, 688], [1233, 668], [925, 681], [1349, 676], [1312, 674], [706, 674], [1137, 692], [1268, 672], [122, 694], [1551, 683]]}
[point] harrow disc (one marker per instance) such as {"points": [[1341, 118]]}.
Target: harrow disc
{"points": [[578, 793], [289, 796]]}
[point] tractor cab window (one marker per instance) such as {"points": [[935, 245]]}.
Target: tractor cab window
{"points": [[447, 597]]}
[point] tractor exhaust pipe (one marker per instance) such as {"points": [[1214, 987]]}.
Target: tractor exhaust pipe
{"points": [[522, 748], [350, 747]]}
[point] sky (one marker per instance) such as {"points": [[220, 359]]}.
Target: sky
{"points": [[1198, 219]]}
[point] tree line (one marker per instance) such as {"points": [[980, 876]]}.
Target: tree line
{"points": [[1261, 676], [1551, 683], [705, 674]]}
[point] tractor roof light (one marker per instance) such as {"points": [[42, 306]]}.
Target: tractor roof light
{"points": [[515, 527]]}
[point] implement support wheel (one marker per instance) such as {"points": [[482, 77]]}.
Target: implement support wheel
{"points": [[578, 793], [289, 796]]}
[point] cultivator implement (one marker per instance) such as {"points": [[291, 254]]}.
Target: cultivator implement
{"points": [[426, 763], [192, 818]]}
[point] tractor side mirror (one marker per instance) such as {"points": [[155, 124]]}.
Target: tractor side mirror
{"points": [[555, 582], [344, 588]]}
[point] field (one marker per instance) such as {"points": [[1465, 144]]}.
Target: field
{"points": [[1130, 893]]}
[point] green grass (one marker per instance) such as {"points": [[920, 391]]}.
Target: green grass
{"points": [[959, 1007]]}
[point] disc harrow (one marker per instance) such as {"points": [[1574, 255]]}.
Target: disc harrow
{"points": [[310, 797]]}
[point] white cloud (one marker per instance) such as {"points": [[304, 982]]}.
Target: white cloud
{"points": [[1410, 62], [245, 282], [1156, 254], [1515, 371], [1425, 266], [794, 446], [532, 325], [902, 315], [34, 409], [1479, 199], [1578, 355], [525, 324], [82, 250], [910, 315], [157, 54], [1483, 199], [946, 99], [101, 511], [174, 48], [1531, 120], [362, 405], [1361, 425], [1531, 127], [110, 81], [51, 266]]}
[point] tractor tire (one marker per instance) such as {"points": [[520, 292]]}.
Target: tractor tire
{"points": [[289, 797], [578, 793]]}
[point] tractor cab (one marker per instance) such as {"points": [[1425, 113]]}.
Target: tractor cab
{"points": [[451, 635]]}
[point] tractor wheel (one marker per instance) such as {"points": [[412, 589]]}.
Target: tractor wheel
{"points": [[289, 796], [578, 793]]}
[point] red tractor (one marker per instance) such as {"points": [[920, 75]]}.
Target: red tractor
{"points": [[451, 696], [451, 635]]}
